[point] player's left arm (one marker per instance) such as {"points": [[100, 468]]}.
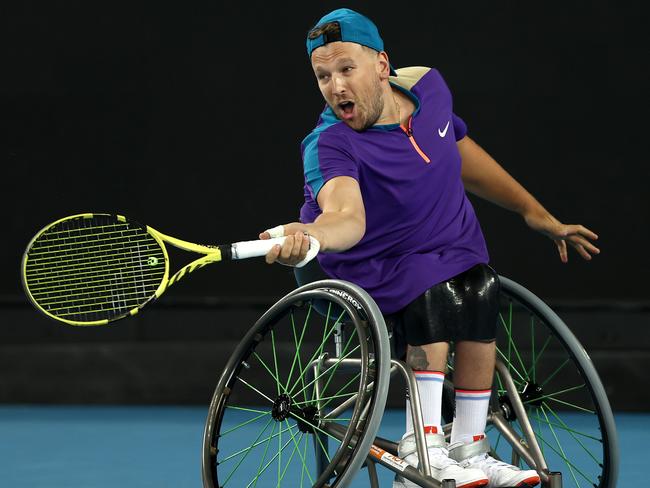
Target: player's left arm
{"points": [[485, 178]]}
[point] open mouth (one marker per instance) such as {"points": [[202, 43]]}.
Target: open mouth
{"points": [[347, 108]]}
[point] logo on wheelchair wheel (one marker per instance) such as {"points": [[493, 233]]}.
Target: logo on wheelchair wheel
{"points": [[347, 297]]}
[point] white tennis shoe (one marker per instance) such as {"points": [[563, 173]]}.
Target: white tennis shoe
{"points": [[475, 456], [442, 466]]}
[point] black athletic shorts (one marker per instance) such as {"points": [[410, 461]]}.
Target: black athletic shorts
{"points": [[462, 308]]}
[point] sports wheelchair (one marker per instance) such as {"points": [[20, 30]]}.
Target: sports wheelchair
{"points": [[301, 399]]}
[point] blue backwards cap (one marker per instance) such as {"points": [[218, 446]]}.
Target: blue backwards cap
{"points": [[354, 27]]}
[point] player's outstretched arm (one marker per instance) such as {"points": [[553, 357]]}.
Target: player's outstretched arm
{"points": [[485, 178], [339, 227]]}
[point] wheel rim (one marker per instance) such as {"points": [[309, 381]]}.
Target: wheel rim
{"points": [[564, 407], [273, 441]]}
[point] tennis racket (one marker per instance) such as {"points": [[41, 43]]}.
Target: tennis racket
{"points": [[93, 268]]}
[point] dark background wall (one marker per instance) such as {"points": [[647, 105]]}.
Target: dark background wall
{"points": [[188, 117]]}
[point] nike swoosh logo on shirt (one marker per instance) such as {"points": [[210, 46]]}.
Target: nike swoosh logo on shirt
{"points": [[443, 133]]}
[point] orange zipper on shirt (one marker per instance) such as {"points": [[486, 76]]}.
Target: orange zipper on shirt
{"points": [[409, 132]]}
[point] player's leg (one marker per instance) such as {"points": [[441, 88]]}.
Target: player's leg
{"points": [[473, 374], [427, 355], [475, 350], [428, 363]]}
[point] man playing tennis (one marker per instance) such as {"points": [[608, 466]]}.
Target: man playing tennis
{"points": [[386, 170]]}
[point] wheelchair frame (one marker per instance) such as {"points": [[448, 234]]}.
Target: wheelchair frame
{"points": [[362, 448]]}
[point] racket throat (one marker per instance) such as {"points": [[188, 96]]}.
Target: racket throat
{"points": [[189, 268]]}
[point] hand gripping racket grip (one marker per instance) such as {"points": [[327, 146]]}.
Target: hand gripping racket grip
{"points": [[250, 249]]}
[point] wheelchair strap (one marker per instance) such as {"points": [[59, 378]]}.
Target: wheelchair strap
{"points": [[432, 440], [463, 451]]}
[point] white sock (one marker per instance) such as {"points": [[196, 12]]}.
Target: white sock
{"points": [[470, 416], [430, 388]]}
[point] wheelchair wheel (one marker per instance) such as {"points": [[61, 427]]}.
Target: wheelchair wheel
{"points": [[560, 388], [298, 404]]}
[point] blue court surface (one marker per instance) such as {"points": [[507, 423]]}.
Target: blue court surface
{"points": [[102, 447]]}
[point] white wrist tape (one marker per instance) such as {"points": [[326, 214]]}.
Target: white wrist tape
{"points": [[277, 231]]}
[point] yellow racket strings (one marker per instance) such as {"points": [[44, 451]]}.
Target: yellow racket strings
{"points": [[87, 269]]}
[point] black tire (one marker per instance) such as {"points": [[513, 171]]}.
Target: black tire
{"points": [[276, 347], [551, 369]]}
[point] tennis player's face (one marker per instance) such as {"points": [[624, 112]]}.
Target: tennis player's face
{"points": [[349, 81]]}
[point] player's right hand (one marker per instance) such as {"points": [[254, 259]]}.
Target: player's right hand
{"points": [[293, 250]]}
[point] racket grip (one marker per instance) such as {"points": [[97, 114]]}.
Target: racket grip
{"points": [[251, 249]]}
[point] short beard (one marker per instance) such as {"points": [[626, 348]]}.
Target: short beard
{"points": [[376, 106]]}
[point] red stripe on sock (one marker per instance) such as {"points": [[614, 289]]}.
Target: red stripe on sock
{"points": [[473, 391]]}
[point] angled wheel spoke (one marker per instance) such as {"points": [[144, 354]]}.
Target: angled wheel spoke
{"points": [[563, 455], [326, 334], [322, 345], [286, 466], [564, 427], [343, 395], [532, 346], [554, 373], [552, 395], [573, 433], [298, 343], [501, 388], [234, 407], [508, 328], [347, 345], [323, 448], [569, 464], [577, 407], [275, 361], [539, 430], [259, 468], [246, 452], [277, 380], [256, 443], [266, 466], [535, 348], [324, 372], [254, 389], [280, 455], [512, 347], [508, 331], [322, 432], [304, 466], [541, 352], [511, 367], [337, 395], [244, 423], [300, 454]]}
